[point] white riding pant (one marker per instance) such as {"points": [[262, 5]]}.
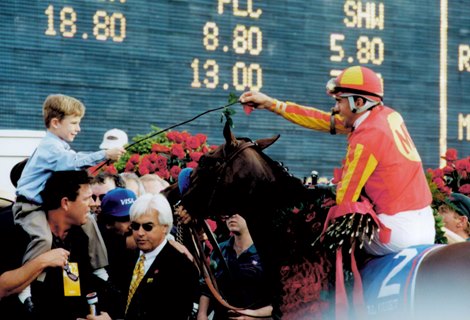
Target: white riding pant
{"points": [[409, 228]]}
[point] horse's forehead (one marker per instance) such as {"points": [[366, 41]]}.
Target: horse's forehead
{"points": [[250, 163]]}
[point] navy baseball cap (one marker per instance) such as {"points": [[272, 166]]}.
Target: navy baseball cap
{"points": [[117, 202], [461, 203]]}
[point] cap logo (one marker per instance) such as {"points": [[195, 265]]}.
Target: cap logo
{"points": [[127, 201]]}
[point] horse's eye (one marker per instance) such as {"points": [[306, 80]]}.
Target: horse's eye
{"points": [[202, 160]]}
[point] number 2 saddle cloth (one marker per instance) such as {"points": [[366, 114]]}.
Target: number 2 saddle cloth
{"points": [[389, 281]]}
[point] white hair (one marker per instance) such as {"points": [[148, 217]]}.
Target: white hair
{"points": [[149, 203]]}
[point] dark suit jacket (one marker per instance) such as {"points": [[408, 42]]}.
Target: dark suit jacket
{"points": [[171, 280]]}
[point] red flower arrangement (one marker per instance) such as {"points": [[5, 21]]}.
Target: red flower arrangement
{"points": [[165, 154], [454, 177]]}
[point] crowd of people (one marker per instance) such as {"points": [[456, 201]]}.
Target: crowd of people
{"points": [[69, 235]]}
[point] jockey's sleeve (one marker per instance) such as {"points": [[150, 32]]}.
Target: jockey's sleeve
{"points": [[307, 117], [360, 163]]}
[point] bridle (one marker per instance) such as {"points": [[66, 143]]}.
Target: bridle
{"points": [[202, 263], [200, 259], [227, 159]]}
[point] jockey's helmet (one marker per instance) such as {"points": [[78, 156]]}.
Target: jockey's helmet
{"points": [[357, 81]]}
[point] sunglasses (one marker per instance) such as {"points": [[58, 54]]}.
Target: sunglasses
{"points": [[101, 196], [225, 217], [69, 272], [146, 226]]}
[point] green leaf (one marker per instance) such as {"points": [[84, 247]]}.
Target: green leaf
{"points": [[228, 112], [232, 98]]}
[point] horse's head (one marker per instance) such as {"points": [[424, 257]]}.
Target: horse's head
{"points": [[237, 177]]}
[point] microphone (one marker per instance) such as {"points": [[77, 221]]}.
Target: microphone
{"points": [[92, 299]]}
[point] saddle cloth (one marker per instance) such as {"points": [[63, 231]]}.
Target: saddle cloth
{"points": [[389, 282]]}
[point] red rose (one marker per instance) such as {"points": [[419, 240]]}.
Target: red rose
{"points": [[185, 136], [135, 159], [130, 167], [193, 143], [178, 151], [148, 164], [201, 137], [465, 189], [447, 170], [175, 171], [159, 148], [438, 173], [163, 173], [175, 136], [195, 156], [191, 164], [463, 167], [153, 157], [446, 190], [451, 155], [161, 162], [439, 182], [143, 170]]}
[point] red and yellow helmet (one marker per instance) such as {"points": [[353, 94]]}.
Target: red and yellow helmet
{"points": [[356, 80]]}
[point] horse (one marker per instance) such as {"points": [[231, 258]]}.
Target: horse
{"points": [[287, 223]]}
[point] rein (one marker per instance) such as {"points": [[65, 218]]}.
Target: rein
{"points": [[105, 162], [200, 258], [202, 263]]}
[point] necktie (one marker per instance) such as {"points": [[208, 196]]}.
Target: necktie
{"points": [[137, 276]]}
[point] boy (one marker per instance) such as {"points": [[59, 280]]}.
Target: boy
{"points": [[62, 115]]}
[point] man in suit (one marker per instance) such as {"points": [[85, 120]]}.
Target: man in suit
{"points": [[162, 276]]}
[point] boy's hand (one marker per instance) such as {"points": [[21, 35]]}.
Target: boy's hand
{"points": [[115, 153]]}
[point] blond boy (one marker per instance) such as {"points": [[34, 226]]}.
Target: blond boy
{"points": [[62, 115]]}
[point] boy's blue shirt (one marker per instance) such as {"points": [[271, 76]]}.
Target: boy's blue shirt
{"points": [[52, 154]]}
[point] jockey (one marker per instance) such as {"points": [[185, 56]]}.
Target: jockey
{"points": [[381, 161]]}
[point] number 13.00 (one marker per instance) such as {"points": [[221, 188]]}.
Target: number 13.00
{"points": [[243, 76]]}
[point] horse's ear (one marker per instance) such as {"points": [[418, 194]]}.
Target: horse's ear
{"points": [[230, 139], [264, 143]]}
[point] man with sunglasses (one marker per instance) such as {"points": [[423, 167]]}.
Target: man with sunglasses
{"points": [[382, 165], [162, 277], [101, 184]]}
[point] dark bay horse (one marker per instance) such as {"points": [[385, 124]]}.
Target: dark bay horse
{"points": [[286, 219]]}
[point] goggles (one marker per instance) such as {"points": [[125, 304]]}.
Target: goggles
{"points": [[146, 226], [335, 90], [332, 87]]}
